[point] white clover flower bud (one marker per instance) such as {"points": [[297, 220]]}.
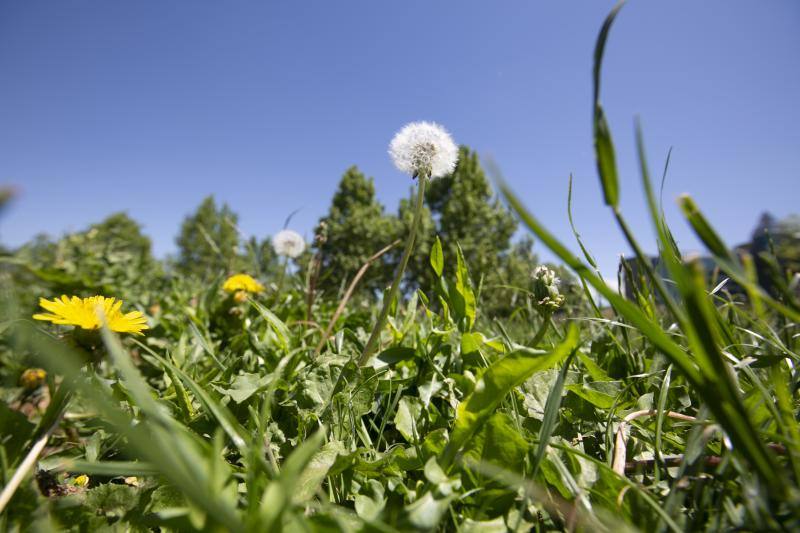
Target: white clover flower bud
{"points": [[424, 148], [545, 289], [288, 243]]}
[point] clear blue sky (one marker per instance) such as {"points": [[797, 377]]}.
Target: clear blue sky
{"points": [[148, 106]]}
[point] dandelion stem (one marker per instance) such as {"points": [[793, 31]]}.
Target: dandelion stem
{"points": [[542, 330], [387, 302], [279, 286]]}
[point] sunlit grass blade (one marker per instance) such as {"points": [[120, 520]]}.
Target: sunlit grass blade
{"points": [[729, 263], [603, 145], [225, 418], [277, 498], [109, 468], [550, 418]]}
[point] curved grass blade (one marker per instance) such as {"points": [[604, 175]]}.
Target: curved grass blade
{"points": [[497, 381], [603, 145], [175, 452], [550, 418]]}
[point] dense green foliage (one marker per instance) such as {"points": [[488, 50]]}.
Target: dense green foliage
{"points": [[491, 405], [469, 216], [355, 229], [208, 243], [111, 256]]}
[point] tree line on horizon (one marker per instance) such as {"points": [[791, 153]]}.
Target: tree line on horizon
{"points": [[461, 209]]}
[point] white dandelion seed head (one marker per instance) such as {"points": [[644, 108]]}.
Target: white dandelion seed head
{"points": [[288, 243], [424, 148]]}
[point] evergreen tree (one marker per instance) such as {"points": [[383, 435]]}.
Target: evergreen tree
{"points": [[356, 228], [261, 259], [467, 214], [209, 243]]}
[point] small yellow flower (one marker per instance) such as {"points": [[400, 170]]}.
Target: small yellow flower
{"points": [[90, 313], [242, 282], [32, 378], [81, 480]]}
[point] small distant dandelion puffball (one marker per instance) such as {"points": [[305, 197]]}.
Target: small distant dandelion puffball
{"points": [[288, 243], [424, 148]]}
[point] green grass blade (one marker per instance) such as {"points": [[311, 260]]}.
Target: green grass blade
{"points": [[603, 145], [551, 410], [502, 376]]}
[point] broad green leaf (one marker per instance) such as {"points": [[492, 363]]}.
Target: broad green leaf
{"points": [[594, 370], [245, 385], [112, 501], [484, 526], [471, 342], [369, 507], [315, 471], [427, 511], [394, 355], [461, 294], [490, 389], [405, 420], [299, 459], [277, 325], [499, 442], [596, 393], [167, 499], [437, 257]]}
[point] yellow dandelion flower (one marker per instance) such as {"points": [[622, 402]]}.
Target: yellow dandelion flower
{"points": [[90, 313], [81, 481], [32, 378], [242, 282]]}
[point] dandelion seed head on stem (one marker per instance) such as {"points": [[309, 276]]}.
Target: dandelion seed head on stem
{"points": [[288, 243], [424, 148]]}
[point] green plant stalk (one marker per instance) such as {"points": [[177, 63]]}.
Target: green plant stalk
{"points": [[648, 268], [279, 285], [369, 348], [542, 329]]}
